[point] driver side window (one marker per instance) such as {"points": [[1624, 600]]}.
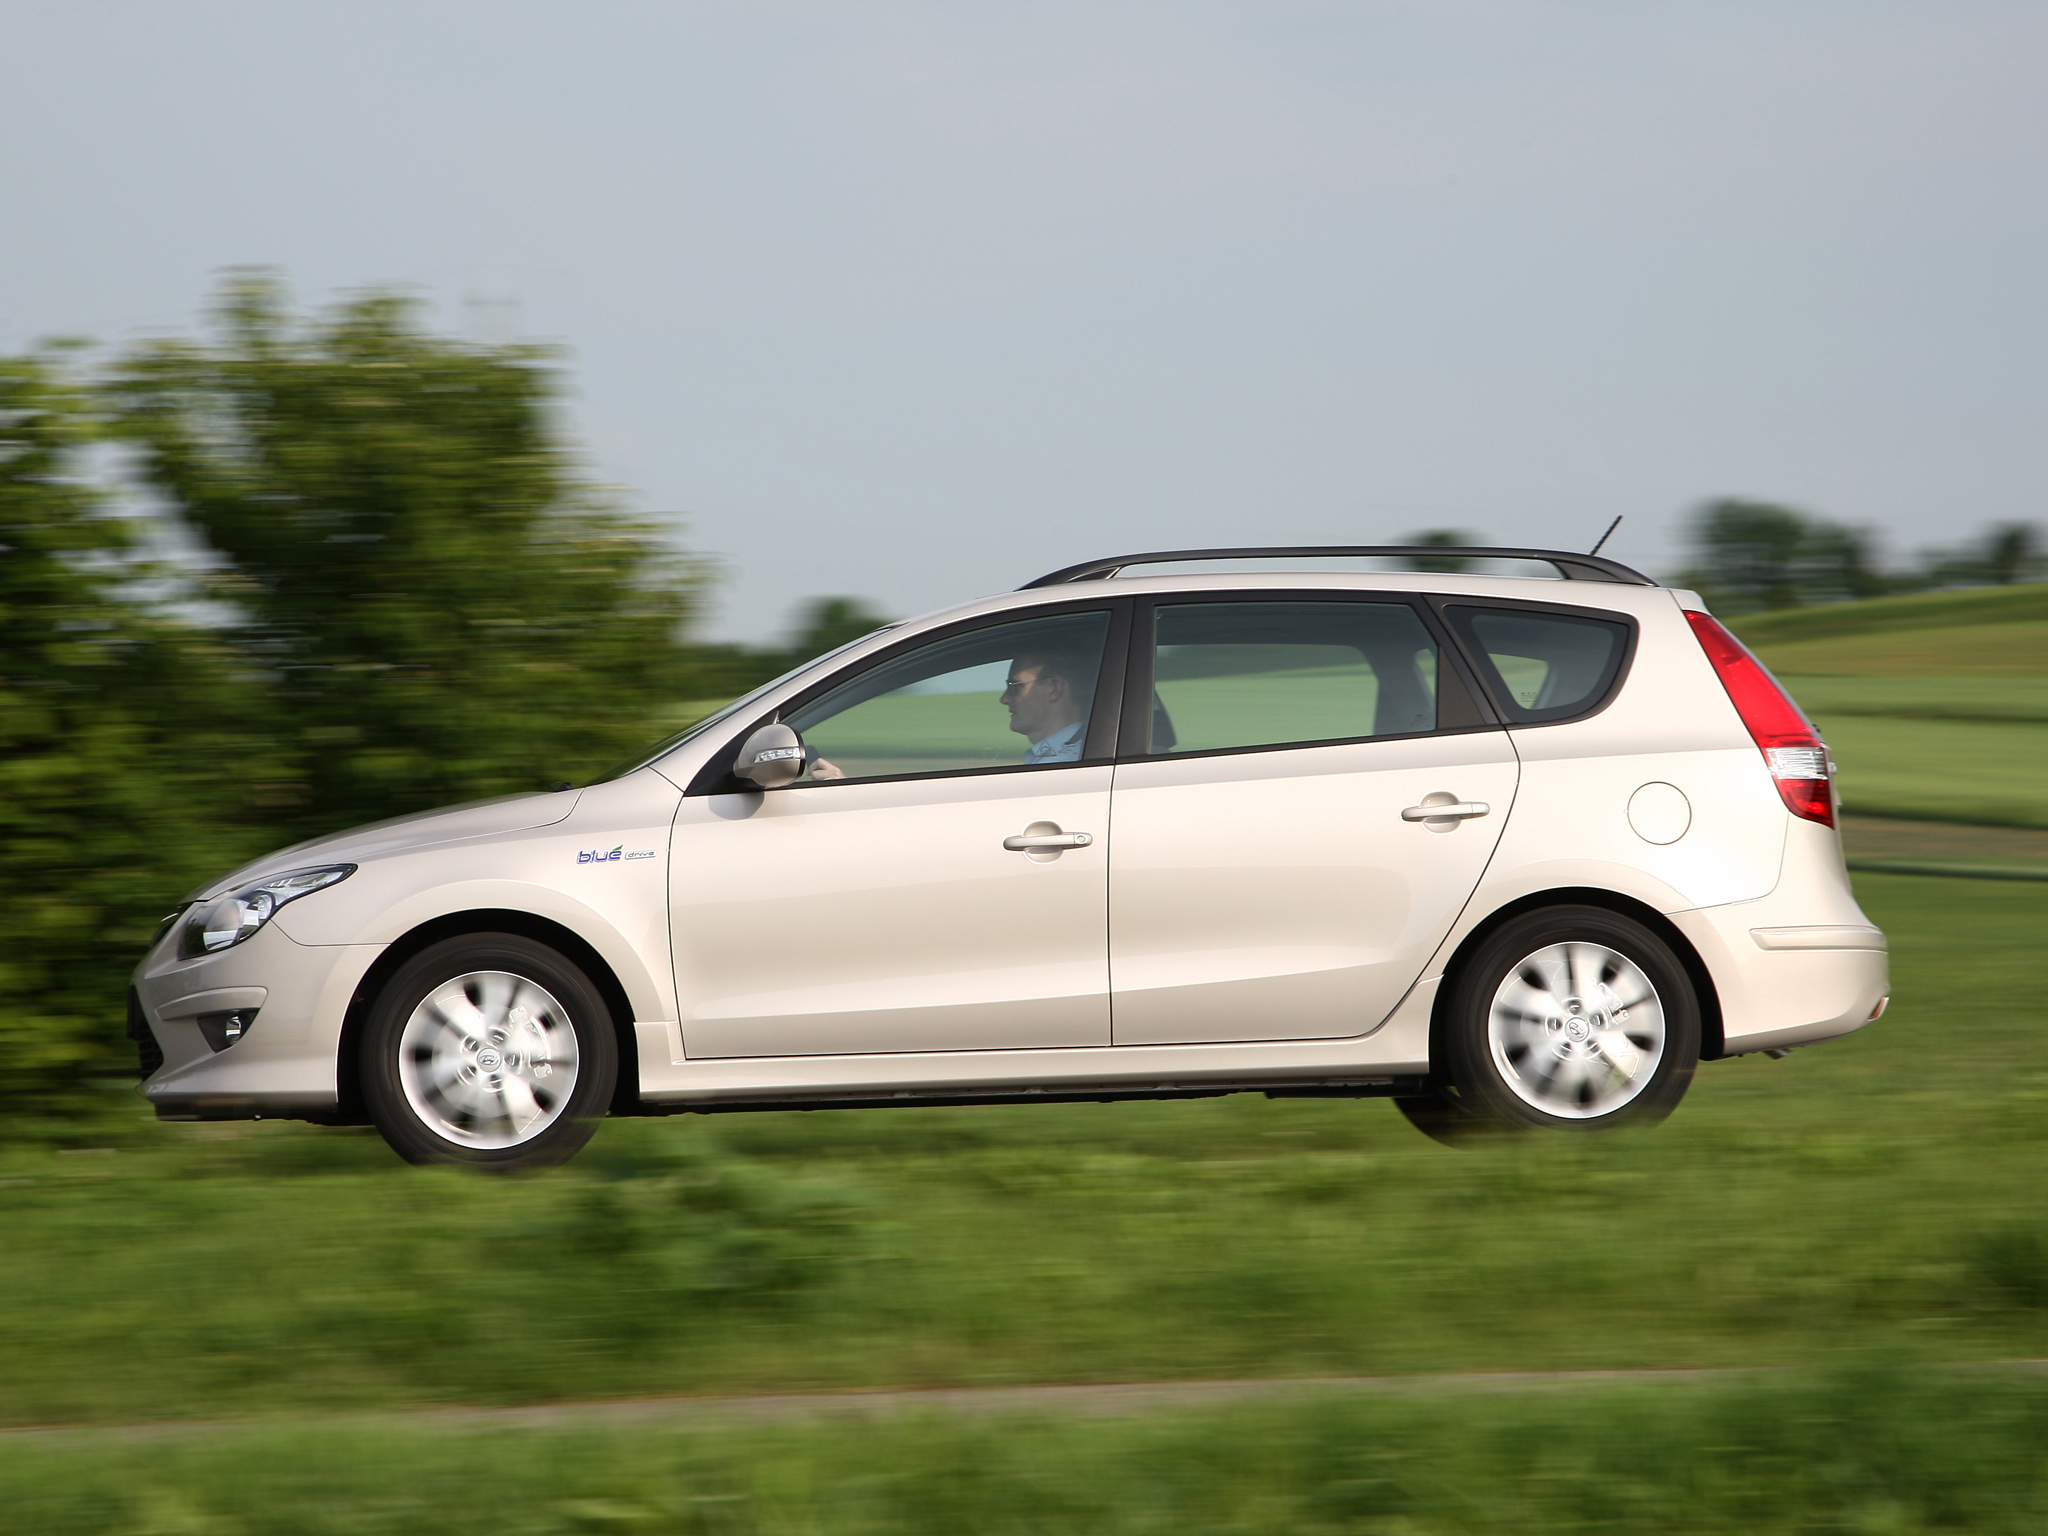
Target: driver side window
{"points": [[1019, 694]]}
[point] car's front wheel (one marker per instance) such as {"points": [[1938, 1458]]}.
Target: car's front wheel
{"points": [[489, 1050], [1571, 1017]]}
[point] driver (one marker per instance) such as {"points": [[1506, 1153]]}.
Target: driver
{"points": [[1047, 694]]}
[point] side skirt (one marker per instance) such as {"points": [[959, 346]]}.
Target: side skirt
{"points": [[1355, 1088]]}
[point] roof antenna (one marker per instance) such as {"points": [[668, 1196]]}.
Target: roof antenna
{"points": [[1605, 536]]}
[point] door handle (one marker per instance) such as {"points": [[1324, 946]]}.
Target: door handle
{"points": [[1449, 810], [1024, 842]]}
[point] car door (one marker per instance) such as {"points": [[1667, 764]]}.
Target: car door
{"points": [[1277, 872], [937, 880]]}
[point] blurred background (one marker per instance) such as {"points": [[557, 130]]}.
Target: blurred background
{"points": [[406, 404]]}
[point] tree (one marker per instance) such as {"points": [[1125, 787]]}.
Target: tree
{"points": [[440, 605], [1746, 554], [1440, 538], [2003, 554], [1838, 564], [117, 787], [722, 670], [826, 623], [2012, 552]]}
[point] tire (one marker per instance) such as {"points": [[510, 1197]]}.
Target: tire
{"points": [[1567, 1018], [490, 1051], [1440, 1117]]}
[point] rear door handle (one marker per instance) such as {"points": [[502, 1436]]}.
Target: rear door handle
{"points": [[1024, 842], [1453, 810]]}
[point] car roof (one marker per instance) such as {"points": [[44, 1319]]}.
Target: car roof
{"points": [[1614, 596], [1568, 564]]}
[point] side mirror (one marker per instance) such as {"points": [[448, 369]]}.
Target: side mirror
{"points": [[772, 757]]}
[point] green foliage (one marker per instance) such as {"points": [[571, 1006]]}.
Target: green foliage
{"points": [[823, 624], [1755, 554], [2012, 1264], [123, 758], [1751, 556], [414, 598], [827, 623], [441, 606]]}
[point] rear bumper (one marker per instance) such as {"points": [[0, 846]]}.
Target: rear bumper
{"points": [[1799, 965], [1776, 997]]}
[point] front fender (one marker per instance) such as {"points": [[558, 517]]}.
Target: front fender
{"points": [[602, 873]]}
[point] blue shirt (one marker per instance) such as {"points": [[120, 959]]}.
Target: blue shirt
{"points": [[1060, 747]]}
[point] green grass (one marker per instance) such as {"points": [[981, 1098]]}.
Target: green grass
{"points": [[1960, 609], [1879, 1192], [1924, 698], [1945, 847], [1936, 706], [1867, 1451], [1984, 650], [1941, 770]]}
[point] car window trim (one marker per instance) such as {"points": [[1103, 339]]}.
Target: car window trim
{"points": [[1137, 710], [1496, 686], [716, 776]]}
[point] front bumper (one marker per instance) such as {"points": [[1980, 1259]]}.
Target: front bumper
{"points": [[294, 1000]]}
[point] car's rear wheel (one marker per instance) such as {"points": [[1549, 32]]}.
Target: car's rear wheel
{"points": [[489, 1050], [1568, 1017]]}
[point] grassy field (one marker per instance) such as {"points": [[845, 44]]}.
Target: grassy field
{"points": [[1876, 1199], [1936, 705], [1867, 1451], [1880, 1192], [1981, 698], [1880, 619], [1940, 770], [1883, 844]]}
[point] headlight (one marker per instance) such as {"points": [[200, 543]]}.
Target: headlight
{"points": [[227, 920], [170, 921]]}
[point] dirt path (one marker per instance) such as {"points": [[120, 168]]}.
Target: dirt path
{"points": [[1096, 1400], [1106, 1400]]}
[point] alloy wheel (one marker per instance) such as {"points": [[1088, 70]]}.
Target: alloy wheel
{"points": [[488, 1059], [1576, 1030]]}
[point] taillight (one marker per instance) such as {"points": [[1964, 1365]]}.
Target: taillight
{"points": [[1798, 758]]}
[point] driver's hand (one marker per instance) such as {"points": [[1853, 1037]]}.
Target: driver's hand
{"points": [[824, 770]]}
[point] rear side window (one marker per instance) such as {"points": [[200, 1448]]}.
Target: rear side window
{"points": [[1260, 674], [1543, 666]]}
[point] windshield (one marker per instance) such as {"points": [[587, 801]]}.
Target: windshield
{"points": [[662, 749]]}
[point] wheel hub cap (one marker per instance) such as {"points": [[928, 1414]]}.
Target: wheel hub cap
{"points": [[1576, 1030], [488, 1059]]}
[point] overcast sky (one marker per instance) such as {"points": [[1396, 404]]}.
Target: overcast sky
{"points": [[915, 301]]}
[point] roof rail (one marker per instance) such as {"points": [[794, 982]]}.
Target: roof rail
{"points": [[1573, 567]]}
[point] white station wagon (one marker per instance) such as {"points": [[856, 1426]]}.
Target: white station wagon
{"points": [[1512, 851]]}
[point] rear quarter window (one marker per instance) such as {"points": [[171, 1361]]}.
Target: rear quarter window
{"points": [[1542, 666]]}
